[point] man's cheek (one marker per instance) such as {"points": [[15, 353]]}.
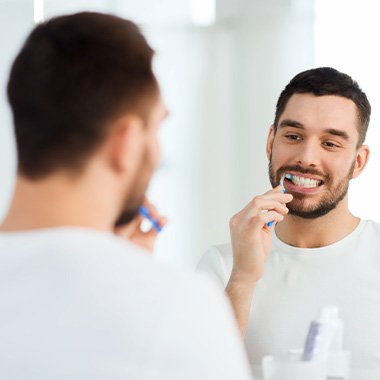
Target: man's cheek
{"points": [[155, 153]]}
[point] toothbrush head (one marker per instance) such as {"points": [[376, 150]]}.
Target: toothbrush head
{"points": [[287, 176]]}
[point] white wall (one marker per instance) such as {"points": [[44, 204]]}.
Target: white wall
{"points": [[277, 42], [16, 19], [350, 44], [221, 84]]}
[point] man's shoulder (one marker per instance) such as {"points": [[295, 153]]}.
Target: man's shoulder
{"points": [[372, 224], [218, 255], [370, 230], [224, 250], [132, 265], [217, 263], [102, 258]]}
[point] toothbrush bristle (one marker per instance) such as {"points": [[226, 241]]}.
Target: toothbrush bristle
{"points": [[287, 176]]}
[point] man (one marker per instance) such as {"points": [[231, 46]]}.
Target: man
{"points": [[279, 277], [76, 301]]}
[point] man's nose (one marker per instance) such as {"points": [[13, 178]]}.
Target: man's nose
{"points": [[308, 154]]}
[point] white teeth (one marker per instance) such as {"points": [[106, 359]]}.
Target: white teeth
{"points": [[307, 183]]}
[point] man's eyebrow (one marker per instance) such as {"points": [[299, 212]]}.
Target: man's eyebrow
{"points": [[337, 132], [331, 131], [290, 123]]}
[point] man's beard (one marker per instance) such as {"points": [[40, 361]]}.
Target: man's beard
{"points": [[127, 216], [137, 195], [329, 200]]}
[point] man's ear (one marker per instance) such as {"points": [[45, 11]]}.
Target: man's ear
{"points": [[127, 143], [270, 140], [361, 159]]}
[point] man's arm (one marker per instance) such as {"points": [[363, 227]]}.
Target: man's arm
{"points": [[251, 241], [240, 292]]}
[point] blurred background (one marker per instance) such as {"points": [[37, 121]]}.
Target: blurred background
{"points": [[222, 65]]}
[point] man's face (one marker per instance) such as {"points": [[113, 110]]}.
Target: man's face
{"points": [[148, 164], [316, 142]]}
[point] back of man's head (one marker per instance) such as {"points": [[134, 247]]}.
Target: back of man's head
{"points": [[72, 77], [327, 81]]}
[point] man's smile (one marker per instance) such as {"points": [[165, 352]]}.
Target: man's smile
{"points": [[303, 183]]}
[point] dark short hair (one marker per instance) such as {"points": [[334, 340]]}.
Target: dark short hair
{"points": [[327, 81], [73, 76]]}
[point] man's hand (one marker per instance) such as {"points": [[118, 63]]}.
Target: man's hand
{"points": [[250, 235], [133, 232], [251, 240]]}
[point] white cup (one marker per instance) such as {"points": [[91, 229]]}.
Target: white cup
{"points": [[290, 367], [338, 365]]}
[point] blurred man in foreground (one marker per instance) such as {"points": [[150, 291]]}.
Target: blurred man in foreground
{"points": [[76, 301]]}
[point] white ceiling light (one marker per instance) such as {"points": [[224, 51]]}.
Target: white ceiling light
{"points": [[38, 11], [203, 12]]}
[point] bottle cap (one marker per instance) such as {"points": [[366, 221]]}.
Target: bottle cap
{"points": [[328, 313]]}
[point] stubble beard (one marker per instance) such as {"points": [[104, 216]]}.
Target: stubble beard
{"points": [[331, 197]]}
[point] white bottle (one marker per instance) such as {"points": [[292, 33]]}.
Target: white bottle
{"points": [[325, 342], [338, 361], [321, 335], [329, 314]]}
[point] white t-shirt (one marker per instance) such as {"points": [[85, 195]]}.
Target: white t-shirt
{"points": [[298, 282], [80, 304]]}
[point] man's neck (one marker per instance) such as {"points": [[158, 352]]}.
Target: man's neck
{"points": [[318, 232], [58, 201]]}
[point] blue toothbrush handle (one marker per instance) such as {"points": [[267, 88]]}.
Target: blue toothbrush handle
{"points": [[270, 224], [143, 211]]}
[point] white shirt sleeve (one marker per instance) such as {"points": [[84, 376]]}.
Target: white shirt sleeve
{"points": [[212, 264], [208, 345]]}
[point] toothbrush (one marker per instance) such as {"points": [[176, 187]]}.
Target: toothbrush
{"points": [[143, 211], [287, 176]]}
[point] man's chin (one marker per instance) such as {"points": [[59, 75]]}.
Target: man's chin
{"points": [[311, 213]]}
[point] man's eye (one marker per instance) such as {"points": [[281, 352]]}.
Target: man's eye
{"points": [[293, 137], [330, 144]]}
